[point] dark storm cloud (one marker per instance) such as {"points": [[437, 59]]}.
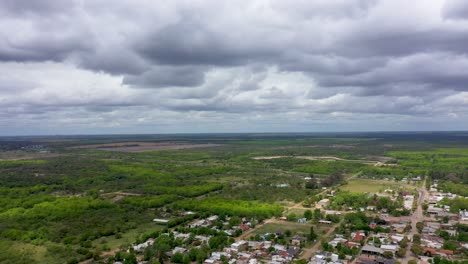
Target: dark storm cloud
{"points": [[288, 58], [43, 30], [164, 76], [403, 42], [192, 42], [27, 7], [431, 70], [41, 48], [455, 9]]}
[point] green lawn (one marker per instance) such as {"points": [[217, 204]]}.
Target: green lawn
{"points": [[374, 186]]}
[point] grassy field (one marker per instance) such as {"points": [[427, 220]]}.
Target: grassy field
{"points": [[19, 252], [293, 227], [128, 237], [374, 186]]}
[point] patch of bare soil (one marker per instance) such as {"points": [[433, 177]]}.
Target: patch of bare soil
{"points": [[375, 162], [24, 155], [117, 196], [144, 146]]}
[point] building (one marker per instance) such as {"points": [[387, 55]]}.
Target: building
{"points": [[463, 215], [371, 250]]}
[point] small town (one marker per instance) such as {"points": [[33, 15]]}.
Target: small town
{"points": [[428, 233], [233, 132]]}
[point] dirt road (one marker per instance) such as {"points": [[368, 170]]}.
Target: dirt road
{"points": [[417, 216], [310, 251]]}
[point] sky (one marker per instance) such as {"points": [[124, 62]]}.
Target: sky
{"points": [[145, 66]]}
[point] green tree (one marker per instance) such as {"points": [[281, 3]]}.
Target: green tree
{"points": [[388, 254], [401, 252], [416, 249], [177, 258], [420, 226], [312, 234], [308, 214], [130, 259], [291, 217], [404, 242]]}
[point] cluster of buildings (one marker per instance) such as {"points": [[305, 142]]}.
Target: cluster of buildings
{"points": [[363, 247], [251, 252], [209, 222]]}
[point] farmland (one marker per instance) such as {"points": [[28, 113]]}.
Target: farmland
{"points": [[74, 198]]}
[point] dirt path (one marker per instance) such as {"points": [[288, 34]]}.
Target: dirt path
{"points": [[120, 195], [310, 251], [252, 230], [324, 158]]}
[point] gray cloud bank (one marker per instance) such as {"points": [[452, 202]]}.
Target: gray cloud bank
{"points": [[220, 66]]}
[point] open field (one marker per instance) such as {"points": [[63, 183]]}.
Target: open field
{"points": [[298, 228], [127, 237], [143, 146], [328, 158], [373, 186]]}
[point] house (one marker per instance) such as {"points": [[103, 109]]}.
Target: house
{"points": [[244, 227], [217, 255], [371, 250], [358, 236], [434, 210], [240, 245], [463, 215], [160, 221], [302, 220], [297, 240], [323, 203], [351, 244], [429, 251], [445, 253], [141, 247], [399, 228], [293, 252], [391, 248], [378, 260], [212, 218], [332, 212], [337, 241], [179, 250]]}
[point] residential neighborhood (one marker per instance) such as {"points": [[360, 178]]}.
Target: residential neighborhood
{"points": [[365, 234]]}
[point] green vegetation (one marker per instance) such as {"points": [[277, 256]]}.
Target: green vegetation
{"points": [[457, 204], [344, 200], [373, 186], [231, 207], [72, 204]]}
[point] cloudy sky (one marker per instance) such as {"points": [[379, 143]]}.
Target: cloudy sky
{"points": [[130, 66]]}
